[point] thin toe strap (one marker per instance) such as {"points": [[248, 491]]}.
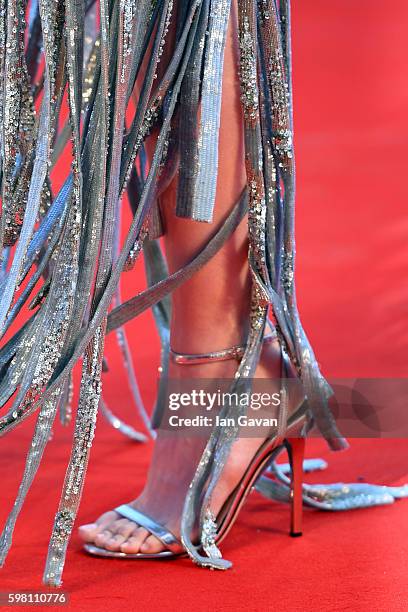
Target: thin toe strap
{"points": [[161, 533]]}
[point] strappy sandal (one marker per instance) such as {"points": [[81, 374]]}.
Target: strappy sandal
{"points": [[225, 519]]}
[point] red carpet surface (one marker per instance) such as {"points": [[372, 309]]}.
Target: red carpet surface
{"points": [[351, 96]]}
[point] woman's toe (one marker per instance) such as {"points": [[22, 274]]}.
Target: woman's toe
{"points": [[121, 530], [115, 542], [103, 537], [89, 532], [152, 545], [134, 541]]}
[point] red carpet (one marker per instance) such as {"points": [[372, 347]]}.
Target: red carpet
{"points": [[350, 118]]}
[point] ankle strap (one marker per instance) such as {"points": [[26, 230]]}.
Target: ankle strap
{"points": [[235, 352]]}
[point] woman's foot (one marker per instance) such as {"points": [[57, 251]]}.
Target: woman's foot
{"points": [[172, 468]]}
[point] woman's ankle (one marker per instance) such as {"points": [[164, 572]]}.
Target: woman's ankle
{"points": [[202, 336]]}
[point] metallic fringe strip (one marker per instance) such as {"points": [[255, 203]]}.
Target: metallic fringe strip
{"points": [[278, 63], [334, 497], [189, 110], [205, 182]]}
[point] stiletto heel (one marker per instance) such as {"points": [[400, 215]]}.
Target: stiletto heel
{"points": [[296, 451]]}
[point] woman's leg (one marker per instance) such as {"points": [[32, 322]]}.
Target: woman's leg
{"points": [[209, 312], [206, 320]]}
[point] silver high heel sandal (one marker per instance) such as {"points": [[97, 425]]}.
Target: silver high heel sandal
{"points": [[225, 519]]}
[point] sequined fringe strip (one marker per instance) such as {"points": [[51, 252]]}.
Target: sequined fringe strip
{"points": [[202, 205], [189, 111], [74, 479], [283, 294], [12, 134], [336, 497], [40, 439], [38, 177]]}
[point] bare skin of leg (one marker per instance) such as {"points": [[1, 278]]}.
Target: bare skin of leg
{"points": [[209, 312]]}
